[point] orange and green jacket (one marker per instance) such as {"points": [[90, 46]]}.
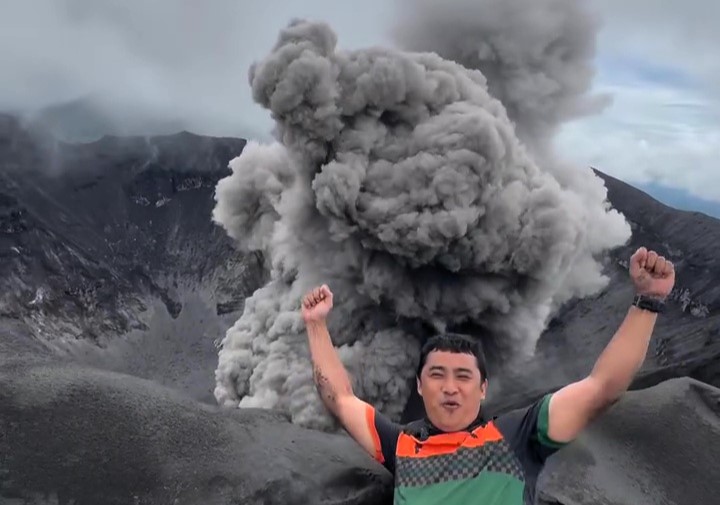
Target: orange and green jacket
{"points": [[493, 462]]}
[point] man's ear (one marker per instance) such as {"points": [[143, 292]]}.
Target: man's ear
{"points": [[483, 388], [419, 386]]}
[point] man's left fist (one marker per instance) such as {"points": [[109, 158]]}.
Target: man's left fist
{"points": [[652, 274]]}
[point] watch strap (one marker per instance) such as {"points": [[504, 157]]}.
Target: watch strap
{"points": [[649, 303]]}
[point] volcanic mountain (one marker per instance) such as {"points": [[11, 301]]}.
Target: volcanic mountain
{"points": [[117, 289]]}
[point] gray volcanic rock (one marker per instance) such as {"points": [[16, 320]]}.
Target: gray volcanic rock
{"points": [[657, 446], [71, 434]]}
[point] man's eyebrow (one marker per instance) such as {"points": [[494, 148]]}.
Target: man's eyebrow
{"points": [[456, 370], [464, 370]]}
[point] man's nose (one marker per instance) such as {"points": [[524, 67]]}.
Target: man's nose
{"points": [[449, 387]]}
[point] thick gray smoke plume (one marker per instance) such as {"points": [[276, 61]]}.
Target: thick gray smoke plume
{"points": [[537, 56], [399, 181]]}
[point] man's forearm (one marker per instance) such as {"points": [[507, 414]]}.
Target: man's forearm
{"points": [[574, 406], [331, 378], [624, 355]]}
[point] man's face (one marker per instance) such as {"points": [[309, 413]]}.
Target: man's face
{"points": [[451, 388]]}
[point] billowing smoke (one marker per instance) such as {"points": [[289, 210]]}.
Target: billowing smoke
{"points": [[400, 181], [538, 57], [538, 60]]}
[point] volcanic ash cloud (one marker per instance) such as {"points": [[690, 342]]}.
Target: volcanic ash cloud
{"points": [[401, 183]]}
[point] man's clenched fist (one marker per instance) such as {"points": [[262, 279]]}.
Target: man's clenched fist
{"points": [[317, 304], [652, 274]]}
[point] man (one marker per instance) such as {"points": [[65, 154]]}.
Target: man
{"points": [[454, 456]]}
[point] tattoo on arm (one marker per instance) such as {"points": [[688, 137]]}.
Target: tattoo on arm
{"points": [[324, 387]]}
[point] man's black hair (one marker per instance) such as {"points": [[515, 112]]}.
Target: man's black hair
{"points": [[454, 342]]}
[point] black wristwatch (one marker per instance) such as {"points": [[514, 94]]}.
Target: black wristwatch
{"points": [[649, 303]]}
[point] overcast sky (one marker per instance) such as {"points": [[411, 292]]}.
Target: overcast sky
{"points": [[660, 59], [187, 60]]}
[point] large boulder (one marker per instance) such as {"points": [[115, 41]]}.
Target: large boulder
{"points": [[82, 436], [657, 446]]}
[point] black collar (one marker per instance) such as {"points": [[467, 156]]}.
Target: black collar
{"points": [[423, 428]]}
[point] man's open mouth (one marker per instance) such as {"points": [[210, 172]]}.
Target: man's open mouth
{"points": [[450, 405]]}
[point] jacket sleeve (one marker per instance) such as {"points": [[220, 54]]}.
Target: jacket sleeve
{"points": [[526, 430], [385, 434]]}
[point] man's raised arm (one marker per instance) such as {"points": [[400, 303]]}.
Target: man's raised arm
{"points": [[576, 405], [332, 380]]}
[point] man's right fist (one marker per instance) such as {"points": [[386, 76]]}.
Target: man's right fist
{"points": [[317, 303]]}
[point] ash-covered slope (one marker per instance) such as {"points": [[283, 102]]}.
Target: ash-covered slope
{"points": [[656, 446], [108, 252], [79, 435], [686, 340]]}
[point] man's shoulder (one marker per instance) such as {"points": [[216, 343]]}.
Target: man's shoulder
{"points": [[528, 423], [532, 408]]}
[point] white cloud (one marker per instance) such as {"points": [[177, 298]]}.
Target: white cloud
{"points": [[658, 60], [179, 60], [653, 134]]}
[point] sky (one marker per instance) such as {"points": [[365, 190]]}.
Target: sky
{"points": [[186, 61], [659, 60]]}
